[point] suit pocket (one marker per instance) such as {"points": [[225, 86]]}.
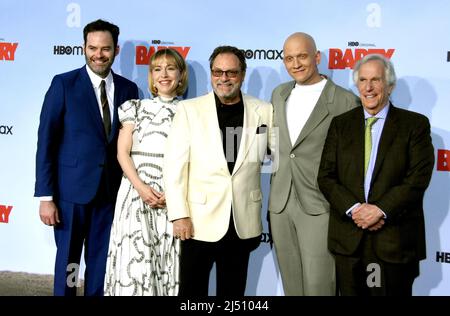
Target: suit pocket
{"points": [[197, 197], [256, 195], [261, 129]]}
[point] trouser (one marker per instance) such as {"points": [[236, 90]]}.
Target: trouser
{"points": [[300, 240], [231, 255], [364, 274], [87, 225]]}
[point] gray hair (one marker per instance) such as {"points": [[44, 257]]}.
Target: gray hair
{"points": [[389, 72]]}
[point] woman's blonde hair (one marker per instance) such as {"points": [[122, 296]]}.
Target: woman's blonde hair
{"points": [[180, 63]]}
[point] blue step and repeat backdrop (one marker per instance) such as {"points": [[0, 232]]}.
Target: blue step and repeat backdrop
{"points": [[39, 39]]}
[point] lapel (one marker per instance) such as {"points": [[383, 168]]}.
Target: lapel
{"points": [[355, 136], [115, 120], [319, 112], [387, 136], [251, 122], [282, 122], [208, 111], [91, 101]]}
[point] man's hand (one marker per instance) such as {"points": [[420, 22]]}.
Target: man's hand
{"points": [[183, 228], [376, 226], [367, 215], [48, 213]]}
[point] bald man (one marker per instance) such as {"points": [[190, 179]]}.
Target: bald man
{"points": [[299, 213]]}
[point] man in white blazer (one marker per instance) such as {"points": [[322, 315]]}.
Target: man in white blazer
{"points": [[212, 178]]}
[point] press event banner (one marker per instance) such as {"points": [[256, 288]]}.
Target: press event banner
{"points": [[39, 39]]}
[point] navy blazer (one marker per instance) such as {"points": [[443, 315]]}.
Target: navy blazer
{"points": [[73, 149], [403, 169]]}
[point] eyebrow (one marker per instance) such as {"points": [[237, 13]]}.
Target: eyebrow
{"points": [[226, 70]]}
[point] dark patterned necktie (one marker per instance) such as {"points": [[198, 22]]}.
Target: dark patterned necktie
{"points": [[105, 108]]}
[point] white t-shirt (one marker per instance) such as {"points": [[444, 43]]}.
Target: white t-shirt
{"points": [[300, 104]]}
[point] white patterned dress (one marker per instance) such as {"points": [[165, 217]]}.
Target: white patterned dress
{"points": [[143, 256]]}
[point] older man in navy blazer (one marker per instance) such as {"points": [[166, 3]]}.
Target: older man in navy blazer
{"points": [[376, 165], [77, 173]]}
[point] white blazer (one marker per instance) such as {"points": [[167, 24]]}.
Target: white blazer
{"points": [[197, 181]]}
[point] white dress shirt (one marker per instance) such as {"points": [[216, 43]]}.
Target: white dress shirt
{"points": [[96, 81]]}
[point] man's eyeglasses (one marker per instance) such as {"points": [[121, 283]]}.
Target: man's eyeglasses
{"points": [[228, 73]]}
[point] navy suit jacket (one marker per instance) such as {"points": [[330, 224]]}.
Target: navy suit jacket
{"points": [[402, 172], [73, 150]]}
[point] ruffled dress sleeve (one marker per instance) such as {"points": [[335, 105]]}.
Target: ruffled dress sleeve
{"points": [[128, 112]]}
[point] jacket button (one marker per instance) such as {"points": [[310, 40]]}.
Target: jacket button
{"points": [[292, 155]]}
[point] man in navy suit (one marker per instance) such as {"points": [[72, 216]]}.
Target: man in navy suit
{"points": [[77, 173], [376, 164]]}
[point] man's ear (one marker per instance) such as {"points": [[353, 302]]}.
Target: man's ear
{"points": [[318, 57]]}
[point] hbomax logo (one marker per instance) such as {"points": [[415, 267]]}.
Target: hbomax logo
{"points": [[67, 50], [6, 129], [270, 54], [442, 257]]}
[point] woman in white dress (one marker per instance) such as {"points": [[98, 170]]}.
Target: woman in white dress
{"points": [[143, 255]]}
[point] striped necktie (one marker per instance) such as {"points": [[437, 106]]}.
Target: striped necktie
{"points": [[105, 108]]}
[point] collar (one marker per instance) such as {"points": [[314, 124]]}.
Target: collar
{"points": [[166, 100], [381, 115], [96, 79], [318, 86]]}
